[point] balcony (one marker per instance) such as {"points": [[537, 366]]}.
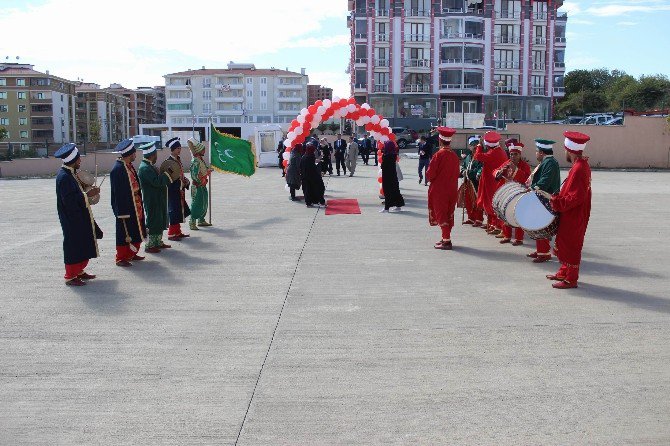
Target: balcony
{"points": [[186, 112], [417, 38], [177, 87], [228, 112], [178, 100], [560, 40], [382, 37], [291, 112], [513, 40], [418, 12], [362, 60], [290, 86], [461, 88], [289, 99], [417, 63], [508, 14], [559, 91], [361, 36], [540, 15], [460, 36], [506, 65], [539, 41], [539, 66], [559, 65], [416, 88], [381, 89], [362, 87], [382, 12], [507, 89], [467, 11], [228, 99], [381, 63], [538, 91]]}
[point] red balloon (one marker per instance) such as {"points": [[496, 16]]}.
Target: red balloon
{"points": [[381, 191], [308, 118], [343, 102], [327, 114], [312, 109], [355, 115], [351, 100], [377, 128], [318, 103], [295, 123], [380, 145], [392, 137], [385, 131], [379, 180], [369, 126], [371, 112], [285, 163]]}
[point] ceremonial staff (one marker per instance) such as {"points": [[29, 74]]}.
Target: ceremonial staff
{"points": [[208, 132]]}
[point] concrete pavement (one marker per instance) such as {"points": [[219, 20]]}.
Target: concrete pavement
{"points": [[281, 325]]}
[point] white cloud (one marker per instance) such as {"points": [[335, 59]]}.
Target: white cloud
{"points": [[623, 9], [137, 42], [627, 23]]}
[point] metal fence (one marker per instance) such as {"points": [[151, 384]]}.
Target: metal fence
{"points": [[18, 150]]}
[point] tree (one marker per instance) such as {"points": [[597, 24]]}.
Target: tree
{"points": [[94, 127], [3, 133]]}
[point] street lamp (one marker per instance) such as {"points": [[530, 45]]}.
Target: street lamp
{"points": [[499, 84]]}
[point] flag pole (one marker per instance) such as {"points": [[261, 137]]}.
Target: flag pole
{"points": [[209, 139]]}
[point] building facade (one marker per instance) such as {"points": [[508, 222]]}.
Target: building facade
{"points": [[238, 97], [142, 104], [110, 110], [420, 62], [318, 93], [37, 109]]}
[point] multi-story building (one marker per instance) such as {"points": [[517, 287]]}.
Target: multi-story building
{"points": [[37, 109], [237, 98], [417, 61], [111, 110], [140, 106], [318, 92]]}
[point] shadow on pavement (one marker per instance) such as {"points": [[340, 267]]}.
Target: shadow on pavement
{"points": [[609, 269], [631, 298], [102, 296], [152, 271], [220, 232], [183, 258]]}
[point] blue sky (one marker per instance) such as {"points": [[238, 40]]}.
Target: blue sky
{"points": [[142, 41]]}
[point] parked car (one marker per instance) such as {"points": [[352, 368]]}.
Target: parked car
{"points": [[596, 119], [615, 121], [404, 136]]}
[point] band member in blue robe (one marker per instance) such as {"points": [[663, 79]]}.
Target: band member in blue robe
{"points": [[80, 232], [177, 206], [127, 205]]}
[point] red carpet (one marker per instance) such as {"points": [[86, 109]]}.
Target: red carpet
{"points": [[343, 206]]}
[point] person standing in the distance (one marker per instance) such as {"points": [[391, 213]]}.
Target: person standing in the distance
{"points": [[177, 207], [471, 171], [200, 174], [545, 178], [312, 183], [280, 154], [351, 156], [340, 147], [127, 205], [390, 184], [80, 232], [573, 203], [492, 156], [365, 147], [516, 170], [154, 196], [326, 152], [425, 154], [443, 174], [293, 170]]}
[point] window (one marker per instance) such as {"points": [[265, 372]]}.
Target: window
{"points": [[416, 33], [264, 105], [264, 81], [206, 108], [264, 93], [539, 35], [207, 94], [39, 95], [207, 82], [23, 134], [361, 79], [3, 95], [361, 54], [250, 80], [250, 93], [473, 79], [451, 54], [24, 146], [538, 85], [4, 121], [469, 106], [250, 105], [381, 32], [3, 81], [506, 59], [381, 80], [20, 82], [539, 60], [23, 121], [448, 107], [361, 28], [20, 95], [506, 34], [3, 108], [178, 107]]}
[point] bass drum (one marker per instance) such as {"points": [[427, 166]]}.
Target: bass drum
{"points": [[505, 199], [535, 216], [171, 167]]}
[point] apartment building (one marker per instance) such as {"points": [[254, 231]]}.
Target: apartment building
{"points": [[112, 110], [239, 98], [318, 92], [142, 106], [36, 108], [420, 61]]}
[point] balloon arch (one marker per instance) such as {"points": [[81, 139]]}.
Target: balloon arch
{"points": [[364, 115]]}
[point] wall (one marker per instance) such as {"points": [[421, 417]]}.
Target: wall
{"points": [[41, 167], [643, 142]]}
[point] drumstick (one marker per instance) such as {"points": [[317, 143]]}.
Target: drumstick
{"points": [[103, 180]]}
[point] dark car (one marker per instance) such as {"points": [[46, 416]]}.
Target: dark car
{"points": [[404, 136]]}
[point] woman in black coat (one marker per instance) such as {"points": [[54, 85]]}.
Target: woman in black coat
{"points": [[293, 170], [312, 183], [390, 184]]}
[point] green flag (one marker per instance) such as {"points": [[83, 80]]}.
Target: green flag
{"points": [[231, 154]]}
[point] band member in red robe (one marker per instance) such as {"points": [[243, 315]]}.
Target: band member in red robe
{"points": [[492, 156], [516, 170], [573, 203], [442, 175]]}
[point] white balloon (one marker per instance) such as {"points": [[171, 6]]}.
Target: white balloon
{"points": [[301, 119], [384, 122], [365, 106], [384, 138], [286, 155], [379, 173], [365, 119], [298, 130], [336, 99], [287, 142], [321, 110], [375, 119], [327, 103], [315, 123], [291, 135], [359, 121], [304, 111], [351, 108]]}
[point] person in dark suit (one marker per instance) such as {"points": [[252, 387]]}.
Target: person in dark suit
{"points": [[280, 154], [364, 148], [340, 147]]}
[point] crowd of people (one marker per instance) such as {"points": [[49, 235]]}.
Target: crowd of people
{"points": [[146, 202], [487, 168]]}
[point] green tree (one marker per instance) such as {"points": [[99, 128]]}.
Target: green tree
{"points": [[94, 127], [3, 133]]}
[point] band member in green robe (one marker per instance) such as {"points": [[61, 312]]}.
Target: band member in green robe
{"points": [[547, 178], [154, 195], [199, 178]]}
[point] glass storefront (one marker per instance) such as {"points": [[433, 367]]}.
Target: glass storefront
{"points": [[417, 107]]}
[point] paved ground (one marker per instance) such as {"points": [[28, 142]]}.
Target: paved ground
{"points": [[281, 325]]}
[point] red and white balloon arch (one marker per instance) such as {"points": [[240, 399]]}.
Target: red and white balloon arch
{"points": [[364, 115]]}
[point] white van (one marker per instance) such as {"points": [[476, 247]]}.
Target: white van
{"points": [[596, 119], [143, 139]]}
